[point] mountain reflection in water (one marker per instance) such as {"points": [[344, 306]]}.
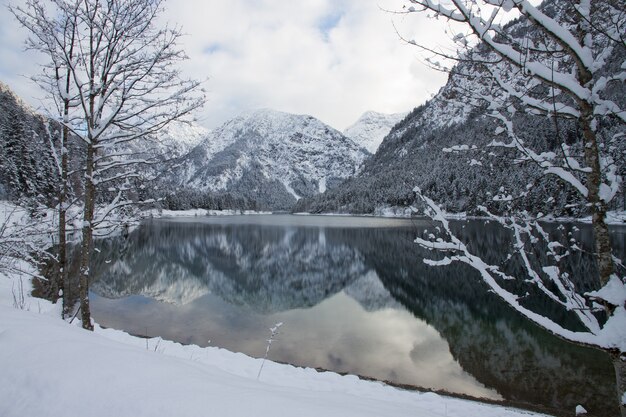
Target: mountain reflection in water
{"points": [[354, 296]]}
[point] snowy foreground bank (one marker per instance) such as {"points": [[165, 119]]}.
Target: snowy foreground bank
{"points": [[51, 368]]}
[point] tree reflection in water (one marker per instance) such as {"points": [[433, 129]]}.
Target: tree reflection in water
{"points": [[355, 297]]}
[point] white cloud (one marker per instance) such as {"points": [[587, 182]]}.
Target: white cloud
{"points": [[333, 59], [289, 56], [17, 64]]}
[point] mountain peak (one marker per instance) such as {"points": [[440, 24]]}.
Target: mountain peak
{"points": [[267, 121], [181, 136], [371, 128]]}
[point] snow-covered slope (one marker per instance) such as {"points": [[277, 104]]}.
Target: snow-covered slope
{"points": [[178, 138], [371, 128], [273, 157]]}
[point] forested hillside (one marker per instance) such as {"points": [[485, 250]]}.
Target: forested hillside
{"points": [[27, 165]]}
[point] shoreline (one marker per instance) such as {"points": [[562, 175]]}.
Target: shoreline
{"points": [[398, 385], [614, 218]]}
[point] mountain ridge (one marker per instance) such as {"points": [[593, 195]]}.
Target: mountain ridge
{"points": [[272, 157]]}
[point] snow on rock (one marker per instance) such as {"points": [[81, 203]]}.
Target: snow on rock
{"points": [[322, 185], [614, 292], [580, 410], [431, 119], [371, 128]]}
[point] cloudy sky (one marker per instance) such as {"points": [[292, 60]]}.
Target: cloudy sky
{"points": [[332, 59]]}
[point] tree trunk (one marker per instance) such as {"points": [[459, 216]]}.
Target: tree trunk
{"points": [[619, 363], [603, 254], [62, 262], [85, 255], [584, 75]]}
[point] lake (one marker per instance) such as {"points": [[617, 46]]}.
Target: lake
{"points": [[354, 296]]}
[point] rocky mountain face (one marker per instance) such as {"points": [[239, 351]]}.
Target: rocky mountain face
{"points": [[271, 158], [412, 155], [261, 160], [371, 128]]}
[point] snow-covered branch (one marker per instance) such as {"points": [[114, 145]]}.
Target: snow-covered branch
{"points": [[553, 283]]}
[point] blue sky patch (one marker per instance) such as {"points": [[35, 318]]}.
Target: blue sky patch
{"points": [[212, 48], [328, 22]]}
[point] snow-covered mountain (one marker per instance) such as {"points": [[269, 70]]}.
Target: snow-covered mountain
{"points": [[272, 157], [263, 159], [371, 128]]}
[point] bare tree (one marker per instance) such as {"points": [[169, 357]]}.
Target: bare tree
{"points": [[116, 82], [567, 61]]}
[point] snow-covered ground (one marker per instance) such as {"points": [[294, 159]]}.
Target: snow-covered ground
{"points": [[612, 217], [155, 213], [52, 368]]}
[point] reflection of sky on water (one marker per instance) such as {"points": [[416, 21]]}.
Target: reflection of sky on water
{"points": [[337, 334], [355, 296]]}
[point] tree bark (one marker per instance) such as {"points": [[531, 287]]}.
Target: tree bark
{"points": [[87, 227], [584, 75], [62, 262], [619, 364], [602, 239]]}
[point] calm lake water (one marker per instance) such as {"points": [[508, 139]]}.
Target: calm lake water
{"points": [[354, 296]]}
